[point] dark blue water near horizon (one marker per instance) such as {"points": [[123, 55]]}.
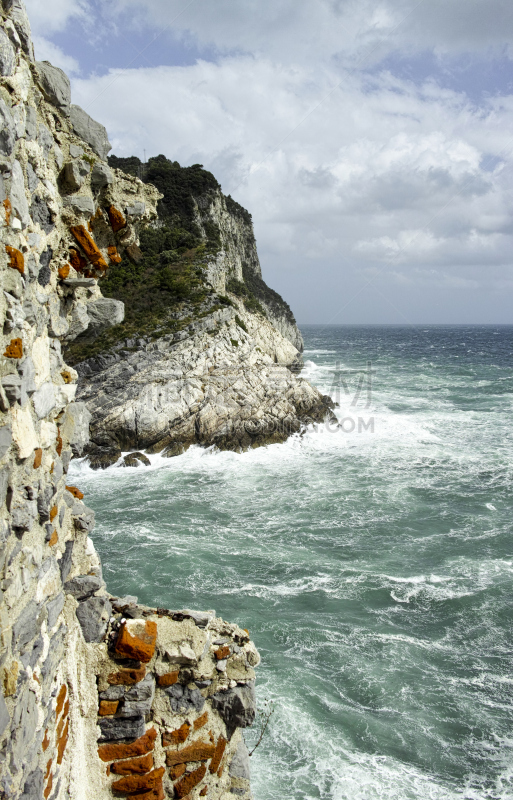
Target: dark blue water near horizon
{"points": [[373, 565]]}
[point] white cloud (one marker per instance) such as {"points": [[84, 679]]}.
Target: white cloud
{"points": [[51, 16], [45, 50]]}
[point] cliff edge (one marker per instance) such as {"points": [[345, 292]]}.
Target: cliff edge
{"points": [[100, 696]]}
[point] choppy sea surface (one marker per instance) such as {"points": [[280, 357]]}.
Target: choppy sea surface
{"points": [[372, 564]]}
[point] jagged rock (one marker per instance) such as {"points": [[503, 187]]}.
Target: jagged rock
{"points": [[93, 615], [103, 314], [66, 561], [101, 177], [4, 715], [19, 17], [74, 174], [102, 457], [7, 55], [33, 787], [55, 85], [81, 203], [18, 198], [75, 426], [7, 130], [83, 586], [239, 767], [28, 625], [135, 460], [90, 131], [237, 706], [54, 609]]}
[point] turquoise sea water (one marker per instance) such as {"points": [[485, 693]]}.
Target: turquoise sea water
{"points": [[373, 569]]}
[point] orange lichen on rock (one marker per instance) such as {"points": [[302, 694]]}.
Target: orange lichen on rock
{"points": [[114, 255], [126, 677], [46, 742], [66, 376], [60, 699], [78, 262], [176, 737], [218, 754], [189, 781], [169, 679], [203, 791], [75, 492], [49, 785], [61, 744], [53, 513], [60, 443], [38, 457], [177, 771], [222, 653], [16, 259], [137, 639], [133, 766], [112, 752], [198, 751], [53, 539], [8, 210], [108, 708], [14, 349], [116, 219], [89, 247], [64, 271], [136, 783], [201, 721]]}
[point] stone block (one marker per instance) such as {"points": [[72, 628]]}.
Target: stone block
{"points": [[104, 313], [28, 625], [101, 177], [237, 707], [5, 439], [239, 767], [133, 766], [137, 640], [16, 259], [41, 214], [93, 615], [184, 700], [169, 679], [7, 56], [83, 586], [90, 131], [44, 400], [116, 219], [138, 783], [113, 728], [75, 427], [14, 349], [218, 755], [74, 174], [126, 677], [55, 85], [174, 738], [189, 781], [81, 203], [19, 204], [201, 721], [7, 130], [54, 608], [23, 514], [177, 771], [145, 744], [108, 708], [198, 751]]}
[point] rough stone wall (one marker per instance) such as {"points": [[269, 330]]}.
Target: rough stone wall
{"points": [[97, 696]]}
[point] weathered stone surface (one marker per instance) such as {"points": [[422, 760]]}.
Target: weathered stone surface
{"points": [[237, 706], [33, 787], [7, 55], [5, 439], [7, 130], [45, 400], [136, 783], [126, 677], [75, 426], [90, 131], [81, 203], [189, 781], [55, 85], [174, 738], [101, 177], [133, 766], [198, 751], [54, 608], [239, 767], [113, 728], [103, 314], [28, 625], [139, 699], [137, 639], [66, 561], [145, 744], [218, 755], [19, 204], [74, 174], [4, 715], [83, 586], [93, 615], [183, 700], [41, 214]]}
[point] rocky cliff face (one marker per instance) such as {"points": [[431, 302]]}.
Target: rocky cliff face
{"points": [[99, 696], [216, 363]]}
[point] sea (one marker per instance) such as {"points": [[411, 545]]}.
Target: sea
{"points": [[371, 561]]}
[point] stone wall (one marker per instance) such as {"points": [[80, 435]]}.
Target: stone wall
{"points": [[99, 696]]}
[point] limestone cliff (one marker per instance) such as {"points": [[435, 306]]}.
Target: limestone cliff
{"points": [[207, 353], [99, 696]]}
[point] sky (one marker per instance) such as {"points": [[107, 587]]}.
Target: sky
{"points": [[371, 140]]}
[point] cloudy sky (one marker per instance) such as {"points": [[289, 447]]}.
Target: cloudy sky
{"points": [[372, 140]]}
